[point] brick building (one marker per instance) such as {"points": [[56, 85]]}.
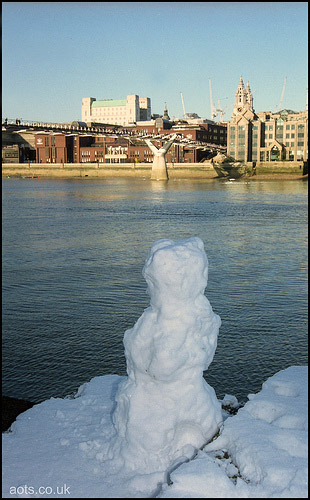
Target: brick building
{"points": [[90, 148]]}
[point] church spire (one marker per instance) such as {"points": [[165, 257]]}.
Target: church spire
{"points": [[166, 116], [243, 98], [240, 99], [249, 96]]}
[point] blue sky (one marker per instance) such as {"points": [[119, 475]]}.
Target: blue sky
{"points": [[55, 53]]}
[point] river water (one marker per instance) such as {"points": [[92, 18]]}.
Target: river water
{"points": [[73, 252]]}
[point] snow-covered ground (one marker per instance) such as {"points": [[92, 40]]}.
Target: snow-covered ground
{"points": [[55, 449], [262, 451], [161, 432]]}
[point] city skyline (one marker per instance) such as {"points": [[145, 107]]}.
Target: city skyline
{"points": [[54, 54]]}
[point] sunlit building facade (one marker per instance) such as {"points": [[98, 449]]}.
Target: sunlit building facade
{"points": [[265, 136], [116, 111]]}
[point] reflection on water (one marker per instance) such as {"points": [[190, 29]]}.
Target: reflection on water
{"points": [[73, 252]]}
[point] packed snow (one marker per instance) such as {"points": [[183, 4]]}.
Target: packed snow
{"points": [[165, 408], [262, 451], [161, 432]]}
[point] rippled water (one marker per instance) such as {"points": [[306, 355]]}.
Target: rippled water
{"points": [[73, 252]]}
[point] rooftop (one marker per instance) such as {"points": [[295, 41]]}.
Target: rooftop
{"points": [[108, 103]]}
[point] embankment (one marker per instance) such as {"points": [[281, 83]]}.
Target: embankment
{"points": [[289, 170], [92, 170], [281, 169]]}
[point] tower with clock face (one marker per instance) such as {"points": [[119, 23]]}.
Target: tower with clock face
{"points": [[240, 128], [243, 105]]}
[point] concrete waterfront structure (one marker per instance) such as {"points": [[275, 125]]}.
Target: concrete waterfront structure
{"points": [[159, 166], [275, 170], [265, 136], [116, 111]]}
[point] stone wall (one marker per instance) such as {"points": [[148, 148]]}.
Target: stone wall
{"points": [[280, 167], [175, 170], [108, 170]]}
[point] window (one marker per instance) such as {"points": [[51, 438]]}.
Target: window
{"points": [[240, 155], [299, 154]]}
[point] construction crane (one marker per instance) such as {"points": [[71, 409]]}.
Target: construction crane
{"points": [[221, 110], [282, 95], [213, 108], [184, 112]]}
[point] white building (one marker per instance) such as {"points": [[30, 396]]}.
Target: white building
{"points": [[116, 111]]}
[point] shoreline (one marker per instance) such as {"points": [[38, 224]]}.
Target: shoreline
{"points": [[11, 408], [175, 171], [259, 177], [277, 177]]}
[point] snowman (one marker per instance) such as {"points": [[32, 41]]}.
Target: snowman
{"points": [[165, 410]]}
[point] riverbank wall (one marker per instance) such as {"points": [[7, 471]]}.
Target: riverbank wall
{"points": [[175, 170], [105, 170], [282, 167]]}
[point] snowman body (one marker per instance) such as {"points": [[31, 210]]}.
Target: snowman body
{"points": [[165, 410]]}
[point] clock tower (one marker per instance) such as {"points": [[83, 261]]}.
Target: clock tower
{"points": [[243, 101]]}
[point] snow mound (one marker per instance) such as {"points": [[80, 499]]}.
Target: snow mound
{"points": [[261, 452], [56, 447]]}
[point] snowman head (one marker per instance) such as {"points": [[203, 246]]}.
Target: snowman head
{"points": [[176, 271]]}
